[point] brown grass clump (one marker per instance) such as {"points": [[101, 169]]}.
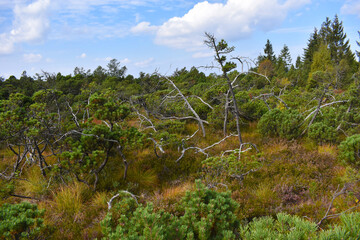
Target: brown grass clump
{"points": [[35, 185], [167, 198], [66, 213]]}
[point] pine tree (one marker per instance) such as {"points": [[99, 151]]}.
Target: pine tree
{"points": [[285, 56], [312, 47], [338, 44], [325, 30], [269, 52]]}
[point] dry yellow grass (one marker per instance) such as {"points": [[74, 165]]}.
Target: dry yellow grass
{"points": [[36, 184], [146, 179], [69, 200], [328, 150], [276, 147]]}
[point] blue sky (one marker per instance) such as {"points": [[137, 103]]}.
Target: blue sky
{"points": [[147, 35]]}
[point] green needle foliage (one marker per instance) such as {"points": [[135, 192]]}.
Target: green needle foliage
{"points": [[203, 214], [285, 227], [277, 123], [350, 150], [20, 221]]}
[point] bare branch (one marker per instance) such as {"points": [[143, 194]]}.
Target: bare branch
{"points": [[202, 150], [325, 105], [262, 75], [202, 101], [157, 145], [200, 121], [117, 195], [73, 115]]}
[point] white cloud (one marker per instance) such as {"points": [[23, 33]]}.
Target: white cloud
{"points": [[144, 27], [6, 44], [30, 24], [351, 7], [83, 55], [125, 61], [144, 63], [106, 59], [32, 57], [31, 21], [232, 20], [202, 54]]}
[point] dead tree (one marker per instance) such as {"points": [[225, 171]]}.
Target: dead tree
{"points": [[199, 120], [220, 50]]}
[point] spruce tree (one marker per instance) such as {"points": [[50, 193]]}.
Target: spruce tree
{"points": [[269, 52], [285, 55], [312, 47], [338, 44]]}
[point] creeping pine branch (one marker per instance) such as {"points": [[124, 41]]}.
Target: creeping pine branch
{"points": [[117, 195], [202, 150], [240, 177], [200, 121]]}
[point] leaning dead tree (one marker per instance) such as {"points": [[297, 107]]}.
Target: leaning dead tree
{"points": [[197, 117]]}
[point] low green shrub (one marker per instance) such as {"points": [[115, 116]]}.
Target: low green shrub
{"points": [[277, 123], [20, 221], [322, 133], [349, 228], [286, 227], [350, 150], [201, 214]]}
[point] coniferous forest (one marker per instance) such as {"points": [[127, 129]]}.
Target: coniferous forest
{"points": [[265, 148]]}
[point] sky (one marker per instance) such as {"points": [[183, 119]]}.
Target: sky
{"points": [[155, 35]]}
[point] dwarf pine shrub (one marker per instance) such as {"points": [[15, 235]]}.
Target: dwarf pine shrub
{"points": [[350, 150], [284, 227], [20, 221], [202, 214], [277, 123]]}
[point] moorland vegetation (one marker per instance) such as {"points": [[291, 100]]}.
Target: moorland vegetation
{"points": [[260, 149]]}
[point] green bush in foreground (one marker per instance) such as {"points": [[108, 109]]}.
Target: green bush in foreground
{"points": [[285, 227], [203, 214], [349, 228], [20, 221], [288, 227]]}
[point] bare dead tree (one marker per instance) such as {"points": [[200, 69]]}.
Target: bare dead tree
{"points": [[199, 120], [220, 50]]}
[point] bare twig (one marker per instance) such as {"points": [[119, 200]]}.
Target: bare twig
{"points": [[200, 121], [117, 195]]}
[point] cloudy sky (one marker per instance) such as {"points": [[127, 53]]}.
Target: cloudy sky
{"points": [[144, 35]]}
